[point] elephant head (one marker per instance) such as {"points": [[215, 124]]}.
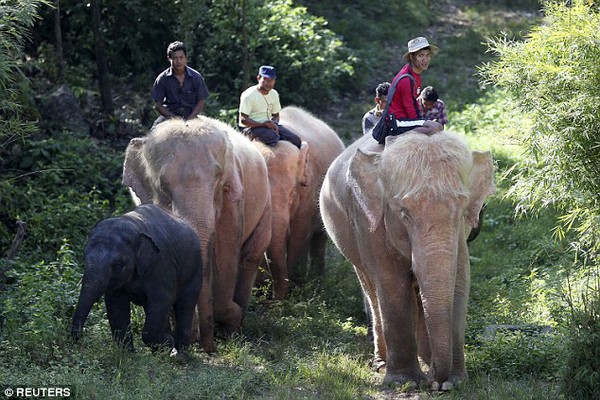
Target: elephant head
{"points": [[401, 213], [117, 248]]}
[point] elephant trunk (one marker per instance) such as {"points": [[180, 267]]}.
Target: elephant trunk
{"points": [[435, 271], [204, 225], [93, 287]]}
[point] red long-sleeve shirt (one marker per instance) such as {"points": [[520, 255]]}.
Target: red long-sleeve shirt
{"points": [[404, 103]]}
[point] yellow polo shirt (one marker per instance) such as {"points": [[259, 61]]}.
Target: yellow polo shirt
{"points": [[258, 106]]}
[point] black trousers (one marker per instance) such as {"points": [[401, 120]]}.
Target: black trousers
{"points": [[270, 137]]}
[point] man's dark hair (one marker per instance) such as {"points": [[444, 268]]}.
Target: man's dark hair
{"points": [[429, 94], [176, 46], [382, 89]]}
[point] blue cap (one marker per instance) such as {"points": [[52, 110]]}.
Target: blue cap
{"points": [[267, 71]]}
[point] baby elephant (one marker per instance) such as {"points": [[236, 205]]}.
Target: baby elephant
{"points": [[147, 257]]}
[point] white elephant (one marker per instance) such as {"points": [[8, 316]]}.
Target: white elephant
{"points": [[401, 214], [295, 178]]}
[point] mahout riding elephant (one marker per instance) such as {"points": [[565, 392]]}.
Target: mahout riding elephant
{"points": [[147, 257], [212, 176], [401, 215], [295, 178]]}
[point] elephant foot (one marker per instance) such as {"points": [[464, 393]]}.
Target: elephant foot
{"points": [[412, 380], [445, 387], [378, 365]]}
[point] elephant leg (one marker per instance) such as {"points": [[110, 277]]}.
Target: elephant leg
{"points": [[380, 350], [252, 254], [461, 296], [424, 348], [227, 313], [156, 328], [278, 266], [318, 245], [184, 312], [396, 288], [118, 309]]}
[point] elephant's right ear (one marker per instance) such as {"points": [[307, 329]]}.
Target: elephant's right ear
{"points": [[365, 185], [134, 173]]}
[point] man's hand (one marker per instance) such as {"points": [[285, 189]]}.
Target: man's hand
{"points": [[272, 125]]}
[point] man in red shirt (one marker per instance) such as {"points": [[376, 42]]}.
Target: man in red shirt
{"points": [[404, 104]]}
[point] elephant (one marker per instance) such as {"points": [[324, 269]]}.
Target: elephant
{"points": [[149, 257], [401, 213], [212, 176], [295, 178]]}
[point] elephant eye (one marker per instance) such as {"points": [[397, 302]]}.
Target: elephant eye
{"points": [[404, 215]]}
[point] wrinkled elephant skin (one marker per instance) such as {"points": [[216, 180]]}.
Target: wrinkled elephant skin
{"points": [[212, 176], [147, 257], [401, 215], [295, 178]]}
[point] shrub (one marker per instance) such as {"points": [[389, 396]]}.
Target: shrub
{"points": [[558, 91], [61, 187], [580, 375]]}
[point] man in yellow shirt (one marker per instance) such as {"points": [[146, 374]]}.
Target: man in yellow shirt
{"points": [[259, 111]]}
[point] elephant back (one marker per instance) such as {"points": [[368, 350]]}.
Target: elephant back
{"points": [[324, 143], [441, 162]]}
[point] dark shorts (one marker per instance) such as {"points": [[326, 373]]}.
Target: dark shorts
{"points": [[270, 137]]}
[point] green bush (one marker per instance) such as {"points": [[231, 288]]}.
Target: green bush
{"points": [[581, 375], [552, 78], [61, 187], [36, 308], [311, 60], [516, 354]]}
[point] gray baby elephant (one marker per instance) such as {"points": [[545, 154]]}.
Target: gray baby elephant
{"points": [[150, 258]]}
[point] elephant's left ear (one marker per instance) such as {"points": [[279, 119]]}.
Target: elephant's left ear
{"points": [[365, 185], [147, 246], [303, 164], [234, 189], [482, 185]]}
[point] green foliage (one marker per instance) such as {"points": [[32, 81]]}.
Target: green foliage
{"points": [[516, 354], [16, 18], [553, 78], [61, 186], [312, 61], [580, 374], [38, 303]]}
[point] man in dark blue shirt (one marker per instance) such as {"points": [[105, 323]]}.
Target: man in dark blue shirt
{"points": [[179, 91]]}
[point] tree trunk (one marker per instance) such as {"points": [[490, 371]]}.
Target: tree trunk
{"points": [[247, 56], [58, 47], [101, 62]]}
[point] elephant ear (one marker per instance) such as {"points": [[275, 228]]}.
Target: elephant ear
{"points": [[234, 188], [365, 185], [134, 173], [147, 246], [303, 164], [482, 185]]}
